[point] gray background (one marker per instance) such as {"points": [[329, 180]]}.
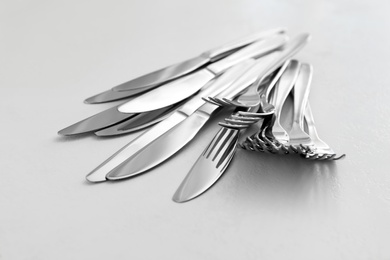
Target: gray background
{"points": [[53, 54]]}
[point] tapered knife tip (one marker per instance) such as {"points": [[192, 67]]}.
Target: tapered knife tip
{"points": [[95, 178], [179, 197]]}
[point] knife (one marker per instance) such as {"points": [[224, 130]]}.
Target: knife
{"points": [[156, 78], [139, 122], [111, 95], [172, 92], [210, 165], [96, 122], [217, 156], [186, 86], [113, 119], [212, 88], [162, 148]]}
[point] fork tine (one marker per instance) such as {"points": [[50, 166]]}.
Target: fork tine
{"points": [[239, 121], [211, 100], [339, 157], [224, 154], [230, 126]]}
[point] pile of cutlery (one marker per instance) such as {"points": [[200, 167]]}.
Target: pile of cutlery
{"points": [[254, 74], [302, 138]]}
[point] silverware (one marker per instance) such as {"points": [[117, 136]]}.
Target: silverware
{"points": [[111, 95], [159, 77], [113, 122], [140, 121], [321, 150], [291, 49], [300, 141], [301, 91], [96, 122], [217, 156], [285, 84], [224, 81], [121, 158], [112, 116], [272, 137], [169, 143], [188, 85]]}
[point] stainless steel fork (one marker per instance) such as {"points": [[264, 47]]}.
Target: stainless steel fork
{"points": [[297, 134], [213, 162], [321, 151]]}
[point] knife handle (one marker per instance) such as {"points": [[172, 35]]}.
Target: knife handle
{"points": [[226, 49], [249, 77], [254, 50], [271, 62], [215, 86]]}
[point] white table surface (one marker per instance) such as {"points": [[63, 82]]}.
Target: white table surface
{"points": [[53, 54]]}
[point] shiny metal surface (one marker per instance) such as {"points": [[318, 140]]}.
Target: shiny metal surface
{"points": [[139, 121], [297, 140], [169, 93], [247, 79], [209, 167], [182, 88], [301, 90], [96, 122], [322, 151], [162, 148], [112, 122], [111, 95], [281, 91], [99, 174], [216, 158], [113, 116], [146, 158], [56, 53], [254, 50], [290, 49], [156, 78]]}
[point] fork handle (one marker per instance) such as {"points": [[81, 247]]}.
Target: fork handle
{"points": [[285, 84], [301, 94]]}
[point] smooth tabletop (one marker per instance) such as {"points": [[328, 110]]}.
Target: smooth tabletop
{"points": [[54, 54]]}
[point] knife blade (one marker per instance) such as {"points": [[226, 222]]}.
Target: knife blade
{"points": [[212, 88], [172, 141], [172, 92], [111, 95], [139, 122], [210, 165], [215, 159], [96, 122], [185, 67], [159, 77], [186, 86]]}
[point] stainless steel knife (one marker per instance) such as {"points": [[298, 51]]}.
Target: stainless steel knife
{"points": [[186, 86], [173, 92], [217, 156], [159, 77], [210, 165], [111, 95], [96, 122], [212, 88], [139, 122], [160, 149]]}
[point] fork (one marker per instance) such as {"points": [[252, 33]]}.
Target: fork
{"points": [[272, 137], [297, 134], [322, 150], [283, 88]]}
